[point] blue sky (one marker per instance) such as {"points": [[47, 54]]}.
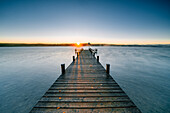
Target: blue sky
{"points": [[95, 21]]}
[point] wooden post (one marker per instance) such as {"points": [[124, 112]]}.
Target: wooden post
{"points": [[94, 54], [62, 69], [77, 54], [90, 50], [73, 58], [96, 51], [97, 58], [108, 68]]}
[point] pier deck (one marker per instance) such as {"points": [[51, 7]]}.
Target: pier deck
{"points": [[85, 87]]}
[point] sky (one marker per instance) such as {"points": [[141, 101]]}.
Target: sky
{"points": [[95, 21]]}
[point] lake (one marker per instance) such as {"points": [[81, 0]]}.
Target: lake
{"points": [[26, 73]]}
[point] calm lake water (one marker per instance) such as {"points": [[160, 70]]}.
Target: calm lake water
{"points": [[26, 73]]}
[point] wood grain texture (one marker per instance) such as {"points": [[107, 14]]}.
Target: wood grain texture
{"points": [[85, 88]]}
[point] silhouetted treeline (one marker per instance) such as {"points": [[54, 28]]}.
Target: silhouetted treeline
{"points": [[73, 44], [27, 45]]}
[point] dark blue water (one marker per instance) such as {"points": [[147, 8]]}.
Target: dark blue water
{"points": [[143, 73], [26, 73]]}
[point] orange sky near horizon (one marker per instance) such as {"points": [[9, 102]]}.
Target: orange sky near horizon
{"points": [[94, 42]]}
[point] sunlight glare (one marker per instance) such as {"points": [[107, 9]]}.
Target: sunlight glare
{"points": [[78, 43]]}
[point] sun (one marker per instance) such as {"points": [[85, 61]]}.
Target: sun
{"points": [[78, 43]]}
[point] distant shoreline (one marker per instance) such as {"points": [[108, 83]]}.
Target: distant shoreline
{"points": [[83, 44]]}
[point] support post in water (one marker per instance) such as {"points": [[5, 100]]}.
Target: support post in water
{"points": [[93, 53], [97, 58], [108, 68], [77, 54], [62, 69], [73, 58]]}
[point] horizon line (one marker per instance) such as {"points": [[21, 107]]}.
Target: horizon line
{"points": [[37, 43]]}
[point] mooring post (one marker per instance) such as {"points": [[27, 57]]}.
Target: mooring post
{"points": [[94, 54], [73, 58], [108, 68], [77, 54], [90, 50], [97, 58], [75, 51], [62, 69], [96, 51]]}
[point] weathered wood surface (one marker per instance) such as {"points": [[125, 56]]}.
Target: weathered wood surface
{"points": [[85, 87]]}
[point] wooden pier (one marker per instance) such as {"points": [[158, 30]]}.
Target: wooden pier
{"points": [[85, 87]]}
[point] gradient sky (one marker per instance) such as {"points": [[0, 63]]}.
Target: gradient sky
{"points": [[95, 21]]}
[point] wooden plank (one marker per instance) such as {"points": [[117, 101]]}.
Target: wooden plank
{"points": [[85, 87], [82, 85], [98, 104], [82, 91], [70, 82], [85, 94], [79, 110], [90, 80], [86, 99]]}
